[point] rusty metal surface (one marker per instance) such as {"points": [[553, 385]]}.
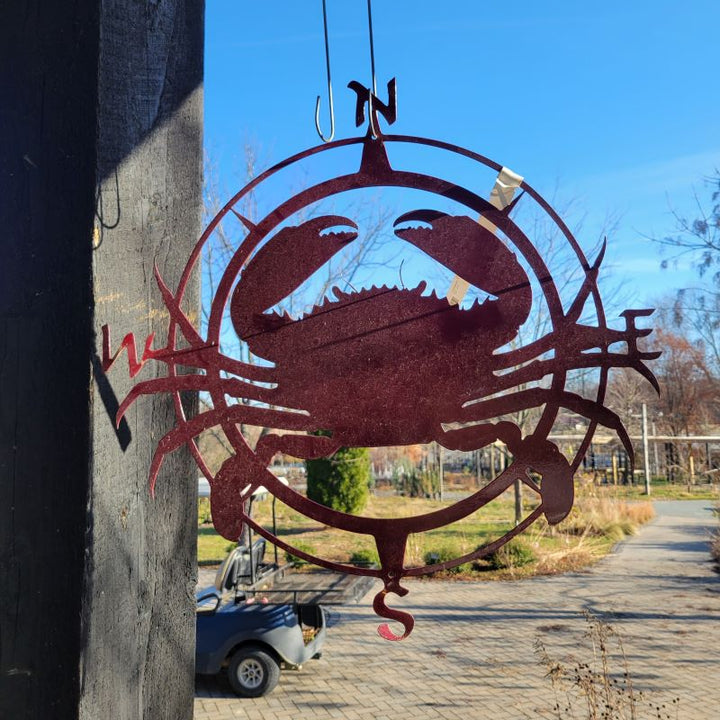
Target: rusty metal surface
{"points": [[387, 366]]}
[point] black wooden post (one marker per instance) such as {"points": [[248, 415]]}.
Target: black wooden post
{"points": [[100, 177]]}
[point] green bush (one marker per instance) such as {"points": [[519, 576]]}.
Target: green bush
{"points": [[514, 553], [444, 554], [365, 558], [341, 482], [298, 561], [204, 515]]}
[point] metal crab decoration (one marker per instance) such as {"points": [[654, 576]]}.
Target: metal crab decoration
{"points": [[388, 366]]}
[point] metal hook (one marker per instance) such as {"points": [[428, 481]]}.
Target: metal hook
{"points": [[329, 86]]}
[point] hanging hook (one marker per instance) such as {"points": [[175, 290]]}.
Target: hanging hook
{"points": [[329, 86]]}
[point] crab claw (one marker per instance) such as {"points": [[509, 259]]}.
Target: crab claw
{"points": [[281, 266], [475, 254], [556, 486]]}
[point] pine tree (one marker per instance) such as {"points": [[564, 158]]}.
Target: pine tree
{"points": [[341, 482]]}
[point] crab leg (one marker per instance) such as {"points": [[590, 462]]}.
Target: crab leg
{"points": [[533, 453], [241, 369], [534, 397], [473, 437], [173, 383], [540, 368], [199, 354], [280, 266], [306, 447], [208, 357], [263, 417], [237, 478], [574, 337], [227, 503]]}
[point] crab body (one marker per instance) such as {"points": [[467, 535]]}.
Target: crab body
{"points": [[386, 366]]}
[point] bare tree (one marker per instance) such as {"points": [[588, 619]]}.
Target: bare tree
{"points": [[696, 310], [626, 393], [689, 393], [689, 400], [699, 238]]}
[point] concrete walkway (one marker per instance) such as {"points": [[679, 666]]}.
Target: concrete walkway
{"points": [[472, 655]]}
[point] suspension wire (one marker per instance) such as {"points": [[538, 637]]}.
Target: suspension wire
{"points": [[329, 86], [371, 114], [372, 46], [373, 129]]}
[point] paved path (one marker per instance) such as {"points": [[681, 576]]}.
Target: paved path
{"points": [[471, 653]]}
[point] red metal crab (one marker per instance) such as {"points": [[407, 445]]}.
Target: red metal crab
{"points": [[386, 366]]}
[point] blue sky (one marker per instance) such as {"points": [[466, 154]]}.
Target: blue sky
{"points": [[610, 106]]}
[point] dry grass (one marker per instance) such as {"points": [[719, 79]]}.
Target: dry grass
{"points": [[594, 526], [715, 547], [607, 517], [599, 685]]}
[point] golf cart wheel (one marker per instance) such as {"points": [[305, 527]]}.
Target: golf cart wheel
{"points": [[253, 672]]}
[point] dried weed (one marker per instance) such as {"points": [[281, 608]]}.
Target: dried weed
{"points": [[601, 687]]}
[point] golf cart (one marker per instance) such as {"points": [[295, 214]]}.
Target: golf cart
{"points": [[241, 629]]}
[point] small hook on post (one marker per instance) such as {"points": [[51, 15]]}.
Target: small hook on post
{"points": [[329, 86]]}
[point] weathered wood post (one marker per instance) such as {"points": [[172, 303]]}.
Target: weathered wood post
{"points": [[100, 178]]}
